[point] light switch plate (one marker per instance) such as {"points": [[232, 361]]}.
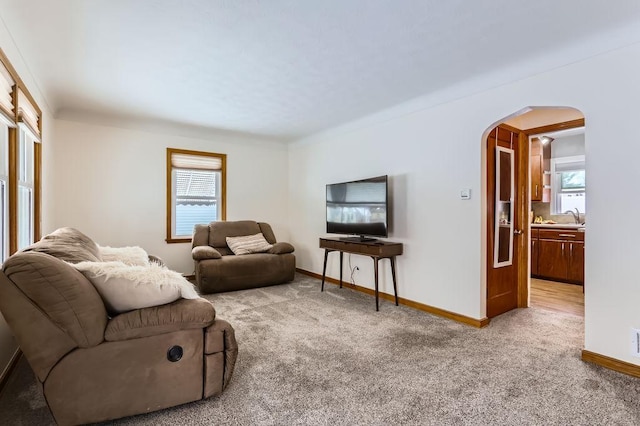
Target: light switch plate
{"points": [[635, 342], [465, 194]]}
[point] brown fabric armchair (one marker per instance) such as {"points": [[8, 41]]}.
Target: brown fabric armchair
{"points": [[94, 368], [218, 269]]}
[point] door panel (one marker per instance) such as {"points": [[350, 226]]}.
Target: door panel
{"points": [[536, 178], [502, 281], [503, 222], [534, 256], [576, 262], [552, 262]]}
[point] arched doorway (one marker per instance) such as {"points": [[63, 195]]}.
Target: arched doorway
{"points": [[516, 175]]}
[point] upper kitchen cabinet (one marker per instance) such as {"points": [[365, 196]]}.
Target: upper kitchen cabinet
{"points": [[539, 170], [535, 163]]}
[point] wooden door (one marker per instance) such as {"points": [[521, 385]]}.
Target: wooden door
{"points": [[552, 259], [502, 281], [575, 267]]}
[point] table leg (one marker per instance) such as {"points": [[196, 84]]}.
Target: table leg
{"points": [[393, 275], [341, 253], [324, 268], [375, 273]]}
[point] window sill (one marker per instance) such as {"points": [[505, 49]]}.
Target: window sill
{"points": [[177, 240]]}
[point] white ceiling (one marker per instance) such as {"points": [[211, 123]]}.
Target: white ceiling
{"points": [[283, 68]]}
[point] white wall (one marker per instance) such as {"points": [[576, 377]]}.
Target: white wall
{"points": [[433, 152], [110, 184], [568, 146]]}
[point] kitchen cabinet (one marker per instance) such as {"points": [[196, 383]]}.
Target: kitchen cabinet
{"points": [[534, 251], [536, 169], [560, 255], [575, 267], [539, 170], [552, 262]]}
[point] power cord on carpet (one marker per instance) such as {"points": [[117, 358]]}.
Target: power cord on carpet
{"points": [[353, 271]]}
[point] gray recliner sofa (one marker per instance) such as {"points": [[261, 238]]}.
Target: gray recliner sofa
{"points": [[95, 368], [219, 270]]}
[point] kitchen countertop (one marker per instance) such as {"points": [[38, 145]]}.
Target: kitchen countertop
{"points": [[559, 225]]}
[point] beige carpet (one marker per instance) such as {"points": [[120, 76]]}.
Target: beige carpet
{"points": [[311, 358]]}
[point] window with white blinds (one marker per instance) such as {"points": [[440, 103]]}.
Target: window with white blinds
{"points": [[195, 191], [20, 162]]}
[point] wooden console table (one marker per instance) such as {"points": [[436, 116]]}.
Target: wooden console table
{"points": [[375, 249]]}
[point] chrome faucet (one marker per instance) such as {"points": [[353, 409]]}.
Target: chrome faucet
{"points": [[576, 215]]}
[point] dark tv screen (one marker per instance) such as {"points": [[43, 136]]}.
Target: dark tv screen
{"points": [[358, 207]]}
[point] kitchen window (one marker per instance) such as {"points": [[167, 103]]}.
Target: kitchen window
{"points": [[568, 185], [196, 188]]}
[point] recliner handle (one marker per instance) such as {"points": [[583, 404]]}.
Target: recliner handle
{"points": [[174, 354]]}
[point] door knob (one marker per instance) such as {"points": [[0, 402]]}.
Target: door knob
{"points": [[517, 232]]}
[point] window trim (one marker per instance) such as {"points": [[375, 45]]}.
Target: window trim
{"points": [[169, 186]]}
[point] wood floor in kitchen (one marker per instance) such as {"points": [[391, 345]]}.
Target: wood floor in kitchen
{"points": [[558, 297]]}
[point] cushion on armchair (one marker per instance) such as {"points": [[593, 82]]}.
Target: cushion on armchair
{"points": [[180, 315], [205, 252], [124, 288], [281, 248], [68, 244]]}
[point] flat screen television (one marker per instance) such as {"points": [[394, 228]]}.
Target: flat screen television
{"points": [[358, 208]]}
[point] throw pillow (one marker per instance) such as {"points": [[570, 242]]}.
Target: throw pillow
{"points": [[133, 256], [124, 288], [248, 244]]}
